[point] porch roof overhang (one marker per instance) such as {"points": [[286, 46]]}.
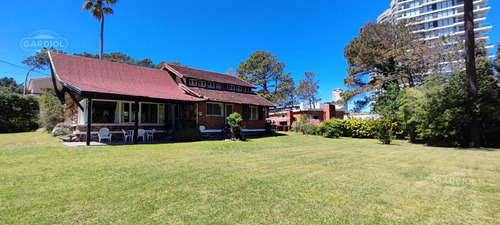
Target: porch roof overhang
{"points": [[91, 78]]}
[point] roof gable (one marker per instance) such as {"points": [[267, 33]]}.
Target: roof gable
{"points": [[86, 75]]}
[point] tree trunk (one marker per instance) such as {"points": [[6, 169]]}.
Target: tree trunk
{"points": [[470, 69], [102, 34], [26, 80]]}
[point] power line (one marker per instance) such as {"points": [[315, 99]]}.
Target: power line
{"points": [[12, 64]]}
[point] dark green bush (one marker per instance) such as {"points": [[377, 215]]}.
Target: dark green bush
{"points": [[331, 128], [18, 113], [385, 129], [51, 110], [234, 121], [189, 132]]}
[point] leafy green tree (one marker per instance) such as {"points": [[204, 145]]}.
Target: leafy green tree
{"points": [[308, 89], [388, 102], [387, 52], [497, 59], [263, 70], [288, 94], [99, 8], [51, 110], [9, 85]]}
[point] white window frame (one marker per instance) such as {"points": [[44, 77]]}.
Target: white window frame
{"points": [[239, 89], [218, 86], [82, 115], [192, 82], [221, 109], [231, 88], [211, 85], [253, 116], [202, 84]]}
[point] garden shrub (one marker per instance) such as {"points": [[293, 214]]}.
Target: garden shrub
{"points": [[62, 129], [385, 128], [189, 132], [234, 121], [360, 128], [51, 110], [18, 113], [331, 128], [270, 127]]}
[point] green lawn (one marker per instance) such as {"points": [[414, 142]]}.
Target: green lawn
{"points": [[287, 179]]}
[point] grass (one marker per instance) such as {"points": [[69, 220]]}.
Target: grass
{"points": [[279, 180]]}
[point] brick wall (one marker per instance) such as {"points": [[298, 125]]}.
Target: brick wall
{"points": [[217, 122]]}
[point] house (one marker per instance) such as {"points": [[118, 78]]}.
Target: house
{"points": [[284, 117], [117, 96], [39, 85]]}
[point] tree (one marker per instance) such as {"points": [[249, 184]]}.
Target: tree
{"points": [[470, 70], [497, 59], [263, 70], [9, 85], [99, 8], [288, 94], [51, 110], [308, 89], [39, 61], [386, 52], [18, 113]]}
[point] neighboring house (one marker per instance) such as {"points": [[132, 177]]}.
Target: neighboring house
{"points": [[39, 85], [164, 99], [284, 117]]}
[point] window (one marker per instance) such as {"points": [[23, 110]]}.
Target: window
{"points": [[104, 112], [210, 85], [149, 113], [238, 88], [128, 112], [218, 86], [254, 113], [202, 84], [214, 109], [224, 87], [231, 87], [192, 82]]}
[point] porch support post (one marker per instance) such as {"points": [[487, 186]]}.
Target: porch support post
{"points": [[89, 119], [136, 122]]}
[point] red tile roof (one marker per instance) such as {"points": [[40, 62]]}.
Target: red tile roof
{"points": [[207, 76], [231, 97], [97, 76]]}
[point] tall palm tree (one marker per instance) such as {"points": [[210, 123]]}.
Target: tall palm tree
{"points": [[470, 70], [99, 8]]}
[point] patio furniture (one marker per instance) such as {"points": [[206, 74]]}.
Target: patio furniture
{"points": [[104, 134], [141, 133], [150, 135], [127, 135]]}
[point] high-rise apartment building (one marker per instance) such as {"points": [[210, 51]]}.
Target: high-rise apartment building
{"points": [[436, 18]]}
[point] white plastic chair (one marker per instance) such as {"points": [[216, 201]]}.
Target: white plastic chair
{"points": [[104, 134], [150, 135], [127, 135], [141, 133]]}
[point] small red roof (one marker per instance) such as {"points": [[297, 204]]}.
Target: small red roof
{"points": [[97, 76], [183, 71], [231, 97]]}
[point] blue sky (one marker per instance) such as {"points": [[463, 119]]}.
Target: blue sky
{"points": [[309, 36]]}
